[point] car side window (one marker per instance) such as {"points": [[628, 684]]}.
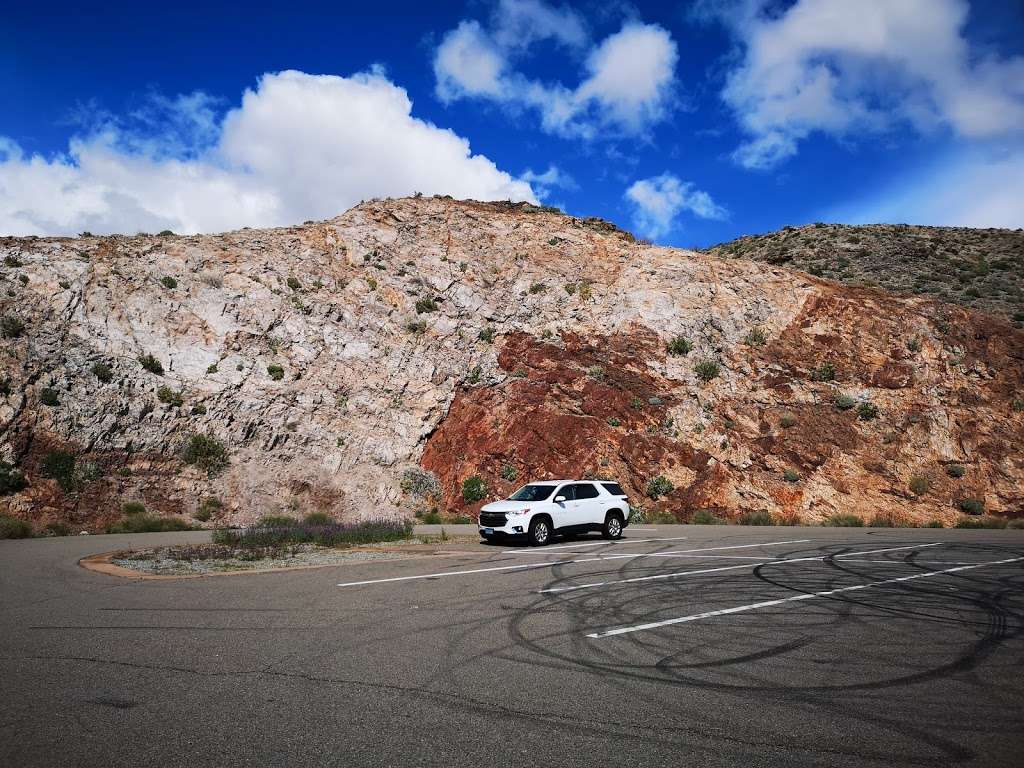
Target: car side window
{"points": [[584, 491], [567, 491]]}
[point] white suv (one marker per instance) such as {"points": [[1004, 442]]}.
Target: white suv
{"points": [[540, 510]]}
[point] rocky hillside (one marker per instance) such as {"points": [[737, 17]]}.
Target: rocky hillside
{"points": [[374, 363], [979, 268]]}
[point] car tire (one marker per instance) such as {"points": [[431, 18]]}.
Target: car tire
{"points": [[612, 526], [540, 532]]}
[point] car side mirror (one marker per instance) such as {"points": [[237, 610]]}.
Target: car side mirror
{"points": [[559, 499]]}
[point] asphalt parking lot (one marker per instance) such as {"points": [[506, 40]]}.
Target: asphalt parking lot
{"points": [[681, 645]]}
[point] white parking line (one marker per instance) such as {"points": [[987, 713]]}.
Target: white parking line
{"points": [[806, 596], [535, 565], [684, 552], [678, 574]]}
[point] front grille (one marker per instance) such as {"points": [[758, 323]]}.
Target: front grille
{"points": [[492, 519]]}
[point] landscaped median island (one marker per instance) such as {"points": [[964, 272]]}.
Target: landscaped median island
{"points": [[280, 542]]}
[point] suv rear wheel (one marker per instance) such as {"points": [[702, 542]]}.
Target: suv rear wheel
{"points": [[540, 531], [612, 526]]}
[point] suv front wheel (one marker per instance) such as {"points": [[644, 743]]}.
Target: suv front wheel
{"points": [[540, 531], [612, 526]]}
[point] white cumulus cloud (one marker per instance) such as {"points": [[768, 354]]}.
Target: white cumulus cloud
{"points": [[625, 88], [843, 67], [971, 189], [299, 146], [658, 201]]}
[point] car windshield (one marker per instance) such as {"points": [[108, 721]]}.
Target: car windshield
{"points": [[532, 493]]}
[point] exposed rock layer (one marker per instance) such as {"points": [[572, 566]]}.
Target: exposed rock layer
{"points": [[576, 381]]}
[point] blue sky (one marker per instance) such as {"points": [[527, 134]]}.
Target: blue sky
{"points": [[690, 122]]}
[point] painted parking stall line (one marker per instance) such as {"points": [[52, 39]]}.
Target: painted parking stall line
{"points": [[680, 574], [795, 598], [526, 566]]}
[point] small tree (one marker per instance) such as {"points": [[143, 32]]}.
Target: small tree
{"points": [[659, 486]]}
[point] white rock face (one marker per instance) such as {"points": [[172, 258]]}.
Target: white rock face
{"points": [[366, 378]]}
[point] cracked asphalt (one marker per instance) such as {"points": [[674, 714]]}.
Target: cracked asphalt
{"points": [[731, 646]]}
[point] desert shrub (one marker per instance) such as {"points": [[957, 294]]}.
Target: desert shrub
{"points": [[844, 402], [707, 370], [420, 482], [824, 372], [11, 480], [760, 517], [867, 411], [486, 334], [13, 261], [151, 364], [5, 387], [169, 282], [659, 486], [537, 287], [23, 279], [596, 372], [206, 453], [11, 327], [981, 521], [1017, 524], [475, 375], [57, 528], [60, 466], [972, 506], [614, 422], [427, 304], [433, 517], [133, 508], [679, 346], [198, 409], [473, 489], [636, 403], [756, 337], [787, 420], [49, 396], [212, 368], [326, 535], [371, 284], [918, 485], [167, 395], [275, 371], [705, 517], [934, 524], [956, 470], [102, 372], [293, 283], [13, 528], [510, 473], [791, 476], [276, 521], [416, 327], [207, 508], [914, 345], [1018, 405], [317, 518], [841, 520], [165, 233], [146, 523]]}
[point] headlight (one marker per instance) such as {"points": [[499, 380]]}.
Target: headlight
{"points": [[518, 513]]}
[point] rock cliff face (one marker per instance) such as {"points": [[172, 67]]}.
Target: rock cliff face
{"points": [[504, 341]]}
